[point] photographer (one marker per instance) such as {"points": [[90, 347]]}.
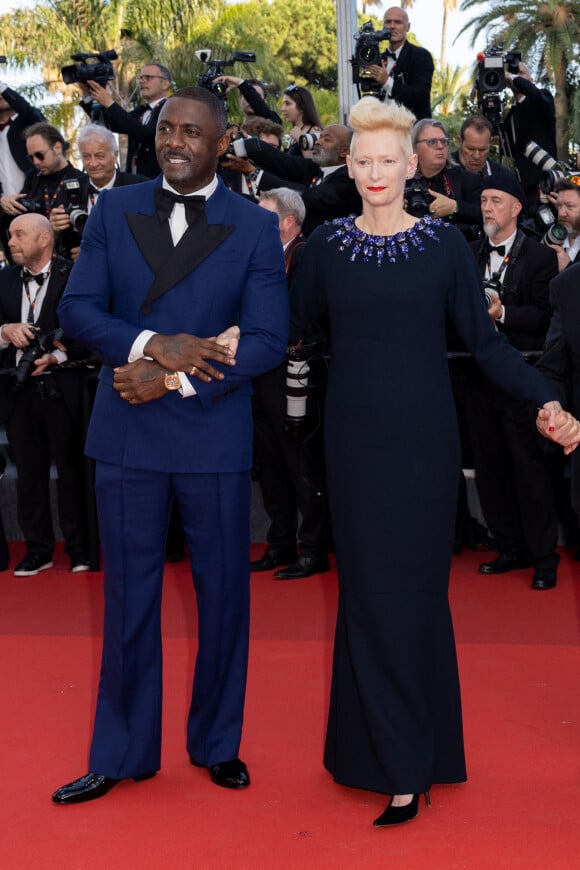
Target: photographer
{"points": [[532, 117], [140, 123], [327, 190], [512, 476], [453, 192], [42, 415], [407, 71], [252, 97], [16, 114], [99, 154], [473, 147], [567, 200], [291, 469], [53, 181]]}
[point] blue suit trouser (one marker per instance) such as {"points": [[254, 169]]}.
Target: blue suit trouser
{"points": [[134, 508]]}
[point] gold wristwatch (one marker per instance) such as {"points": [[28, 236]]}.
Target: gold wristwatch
{"points": [[172, 381]]}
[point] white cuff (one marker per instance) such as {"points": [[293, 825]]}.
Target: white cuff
{"points": [[138, 345], [186, 389], [61, 356]]}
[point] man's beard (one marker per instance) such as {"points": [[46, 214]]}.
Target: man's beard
{"points": [[491, 229], [573, 229]]}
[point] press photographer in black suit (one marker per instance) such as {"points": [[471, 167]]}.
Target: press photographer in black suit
{"points": [[326, 189], [290, 469], [454, 191], [407, 70], [140, 123], [43, 416], [473, 147], [99, 154], [532, 117], [512, 476]]}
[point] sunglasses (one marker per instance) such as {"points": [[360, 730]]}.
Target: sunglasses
{"points": [[38, 155], [291, 88]]}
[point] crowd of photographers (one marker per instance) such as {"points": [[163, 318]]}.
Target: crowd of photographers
{"points": [[523, 224]]}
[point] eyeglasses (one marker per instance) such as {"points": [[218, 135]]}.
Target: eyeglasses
{"points": [[38, 155], [148, 78], [433, 143]]}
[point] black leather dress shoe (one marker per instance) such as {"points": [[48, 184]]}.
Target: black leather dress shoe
{"points": [[90, 787], [505, 562], [229, 774], [305, 566], [273, 557], [544, 579]]}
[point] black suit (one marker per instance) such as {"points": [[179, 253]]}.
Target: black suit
{"points": [[512, 475], [291, 470], [27, 115], [491, 167], [121, 180], [43, 424], [325, 196], [560, 360], [412, 77], [141, 157], [465, 187], [534, 118]]}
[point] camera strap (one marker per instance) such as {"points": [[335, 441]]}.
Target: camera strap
{"points": [[511, 256]]}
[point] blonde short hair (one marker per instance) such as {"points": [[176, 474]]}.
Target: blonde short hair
{"points": [[369, 115]]}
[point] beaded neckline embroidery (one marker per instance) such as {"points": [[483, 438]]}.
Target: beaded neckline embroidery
{"points": [[362, 246]]}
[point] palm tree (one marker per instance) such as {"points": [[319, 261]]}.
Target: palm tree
{"points": [[547, 32]]}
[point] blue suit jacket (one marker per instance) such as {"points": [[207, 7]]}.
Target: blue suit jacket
{"points": [[129, 277]]}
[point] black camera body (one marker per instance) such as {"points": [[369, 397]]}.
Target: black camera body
{"points": [[41, 343], [90, 68], [367, 53], [493, 64], [417, 198], [217, 68], [32, 205], [490, 286]]}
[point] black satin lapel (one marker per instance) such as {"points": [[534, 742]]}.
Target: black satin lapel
{"points": [[153, 239], [197, 243]]}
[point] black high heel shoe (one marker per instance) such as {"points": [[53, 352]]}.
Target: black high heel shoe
{"points": [[397, 815]]}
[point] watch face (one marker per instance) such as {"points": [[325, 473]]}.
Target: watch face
{"points": [[172, 381]]}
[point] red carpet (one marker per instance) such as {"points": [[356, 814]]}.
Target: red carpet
{"points": [[520, 669]]}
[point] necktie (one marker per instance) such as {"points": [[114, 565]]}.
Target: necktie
{"points": [[27, 278], [166, 199]]}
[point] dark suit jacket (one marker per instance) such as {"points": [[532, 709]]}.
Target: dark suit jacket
{"points": [[466, 189], [560, 361], [121, 180], [129, 277], [492, 167], [27, 115], [259, 106], [335, 196], [141, 143], [413, 74], [525, 292], [532, 119], [69, 381]]}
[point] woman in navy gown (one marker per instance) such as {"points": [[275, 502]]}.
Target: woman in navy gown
{"points": [[386, 281]]}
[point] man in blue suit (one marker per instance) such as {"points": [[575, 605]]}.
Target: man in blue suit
{"points": [[159, 268]]}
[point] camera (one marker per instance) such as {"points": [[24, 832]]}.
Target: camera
{"points": [[90, 68], [493, 63], [417, 198], [33, 206], [217, 68], [367, 53], [491, 286], [552, 170], [40, 344], [556, 235], [307, 141]]}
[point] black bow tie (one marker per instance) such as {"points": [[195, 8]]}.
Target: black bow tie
{"points": [[389, 53], [166, 199], [28, 276], [499, 249]]}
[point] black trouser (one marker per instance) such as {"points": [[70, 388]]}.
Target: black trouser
{"points": [[41, 429], [290, 471]]}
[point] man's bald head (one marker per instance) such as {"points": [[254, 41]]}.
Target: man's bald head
{"points": [[31, 241]]}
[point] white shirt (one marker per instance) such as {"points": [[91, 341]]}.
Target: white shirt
{"points": [[178, 226], [495, 261], [391, 63]]}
